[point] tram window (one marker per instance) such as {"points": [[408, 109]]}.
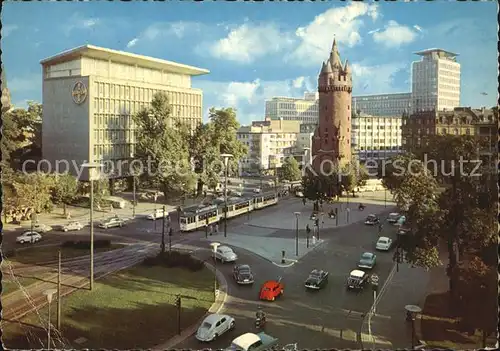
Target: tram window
{"points": [[183, 220], [240, 206]]}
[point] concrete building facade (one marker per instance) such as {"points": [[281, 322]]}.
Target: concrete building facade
{"points": [[294, 109], [382, 104], [269, 142], [332, 138], [90, 95], [435, 81]]}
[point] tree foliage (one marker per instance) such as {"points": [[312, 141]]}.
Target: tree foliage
{"points": [[290, 169], [32, 190], [65, 189]]}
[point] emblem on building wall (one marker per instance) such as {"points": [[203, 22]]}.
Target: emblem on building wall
{"points": [[79, 93]]}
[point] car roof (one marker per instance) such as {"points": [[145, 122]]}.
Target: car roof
{"points": [[393, 214], [367, 253], [225, 248], [214, 318], [357, 273], [246, 340], [372, 215], [384, 238], [316, 271], [270, 283], [243, 266]]}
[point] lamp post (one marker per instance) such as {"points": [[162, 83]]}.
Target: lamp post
{"points": [[215, 245], [225, 157], [49, 293], [297, 214], [411, 312], [91, 166], [133, 194], [154, 213]]}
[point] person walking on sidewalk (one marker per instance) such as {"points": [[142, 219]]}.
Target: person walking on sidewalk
{"points": [[304, 201], [380, 227], [308, 230], [216, 228]]}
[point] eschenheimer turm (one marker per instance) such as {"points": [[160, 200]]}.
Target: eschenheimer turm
{"points": [[332, 138]]}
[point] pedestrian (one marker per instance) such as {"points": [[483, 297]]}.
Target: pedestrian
{"points": [[380, 226], [210, 229], [304, 201], [216, 228], [308, 230]]}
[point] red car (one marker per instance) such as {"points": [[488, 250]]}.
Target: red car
{"points": [[271, 289]]}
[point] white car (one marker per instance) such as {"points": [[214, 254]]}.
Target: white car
{"points": [[41, 228], [28, 237], [256, 190], [225, 254], [157, 214], [112, 222], [299, 194], [214, 326], [72, 226], [393, 217], [384, 243]]}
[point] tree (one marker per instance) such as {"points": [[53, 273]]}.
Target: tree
{"points": [[65, 189], [33, 191], [290, 169], [160, 141]]}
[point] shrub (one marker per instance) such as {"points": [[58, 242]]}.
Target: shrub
{"points": [[85, 244], [174, 259]]}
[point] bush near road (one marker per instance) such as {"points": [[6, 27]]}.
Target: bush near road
{"points": [[133, 309], [175, 259]]}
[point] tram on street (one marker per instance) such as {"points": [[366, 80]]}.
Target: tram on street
{"points": [[196, 217]]}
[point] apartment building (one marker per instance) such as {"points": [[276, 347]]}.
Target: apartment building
{"points": [[294, 109], [91, 93], [435, 81], [382, 104], [269, 142], [376, 137]]}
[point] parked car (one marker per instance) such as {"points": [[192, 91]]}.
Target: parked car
{"points": [[242, 273], [72, 226], [357, 280], [271, 289], [372, 220], [393, 217], [112, 222], [28, 237], [225, 254], [253, 342], [158, 213], [383, 243], [213, 326], [317, 279], [257, 190], [41, 228], [299, 194], [367, 260]]}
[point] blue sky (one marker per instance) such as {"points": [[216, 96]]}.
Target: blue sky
{"points": [[255, 51]]}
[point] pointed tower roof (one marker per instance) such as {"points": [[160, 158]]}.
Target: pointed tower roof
{"points": [[347, 67], [334, 55], [323, 67], [328, 67]]}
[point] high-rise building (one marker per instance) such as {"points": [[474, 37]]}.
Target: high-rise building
{"points": [[90, 95], [435, 81], [332, 138], [294, 109], [382, 104]]}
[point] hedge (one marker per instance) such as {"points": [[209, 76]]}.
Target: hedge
{"points": [[85, 244], [174, 259]]}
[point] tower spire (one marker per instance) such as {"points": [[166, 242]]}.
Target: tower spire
{"points": [[334, 55], [334, 45]]}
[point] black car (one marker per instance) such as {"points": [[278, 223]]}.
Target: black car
{"points": [[242, 274], [317, 279], [357, 280], [372, 220]]}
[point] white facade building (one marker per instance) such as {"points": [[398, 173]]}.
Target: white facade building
{"points": [[376, 137], [382, 104], [435, 81], [294, 109], [90, 95]]}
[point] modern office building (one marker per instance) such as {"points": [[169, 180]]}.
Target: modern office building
{"points": [[294, 109], [382, 104], [269, 142], [435, 81], [90, 95], [376, 138]]}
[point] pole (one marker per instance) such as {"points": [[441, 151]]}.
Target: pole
{"points": [[374, 300], [412, 332], [59, 292], [154, 218], [134, 204], [48, 331], [215, 276], [297, 237], [162, 231], [91, 234], [170, 239], [225, 200], [179, 317], [307, 236], [348, 212], [336, 216]]}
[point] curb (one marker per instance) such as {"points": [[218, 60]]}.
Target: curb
{"points": [[216, 307]]}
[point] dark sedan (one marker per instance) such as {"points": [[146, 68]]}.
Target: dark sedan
{"points": [[372, 220], [367, 260], [242, 274], [317, 279]]}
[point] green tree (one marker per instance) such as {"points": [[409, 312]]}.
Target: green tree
{"points": [[33, 191], [65, 190], [160, 140], [290, 169]]}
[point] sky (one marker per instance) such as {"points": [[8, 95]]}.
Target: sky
{"points": [[256, 51]]}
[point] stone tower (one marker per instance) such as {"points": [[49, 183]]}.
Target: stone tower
{"points": [[332, 139]]}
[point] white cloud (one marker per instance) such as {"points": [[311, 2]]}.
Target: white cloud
{"points": [[248, 42], [375, 79], [132, 43], [76, 21], [315, 39], [395, 35], [417, 27], [90, 22], [8, 29], [249, 97]]}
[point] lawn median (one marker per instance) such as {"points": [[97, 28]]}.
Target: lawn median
{"points": [[134, 308]]}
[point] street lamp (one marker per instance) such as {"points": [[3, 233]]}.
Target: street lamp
{"points": [[49, 293], [91, 166], [226, 160], [215, 245], [297, 214], [411, 314], [154, 215]]}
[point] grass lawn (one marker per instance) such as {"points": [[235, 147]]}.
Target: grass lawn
{"points": [[44, 254], [439, 330], [133, 309], [9, 285]]}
